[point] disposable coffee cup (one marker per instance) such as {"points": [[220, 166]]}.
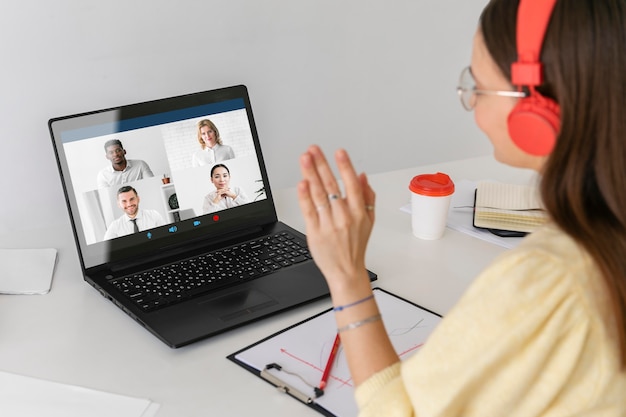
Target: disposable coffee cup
{"points": [[430, 201]]}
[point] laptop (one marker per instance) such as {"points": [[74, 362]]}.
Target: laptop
{"points": [[173, 215]]}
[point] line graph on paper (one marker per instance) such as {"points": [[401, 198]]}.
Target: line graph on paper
{"points": [[302, 351]]}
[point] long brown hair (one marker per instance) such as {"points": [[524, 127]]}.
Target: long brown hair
{"points": [[583, 184]]}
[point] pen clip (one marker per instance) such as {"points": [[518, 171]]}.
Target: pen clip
{"points": [[283, 386]]}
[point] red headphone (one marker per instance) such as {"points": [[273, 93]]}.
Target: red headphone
{"points": [[534, 122]]}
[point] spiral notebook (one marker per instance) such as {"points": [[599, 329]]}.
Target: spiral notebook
{"points": [[504, 207]]}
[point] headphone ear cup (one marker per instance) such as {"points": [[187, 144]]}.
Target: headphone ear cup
{"points": [[534, 124]]}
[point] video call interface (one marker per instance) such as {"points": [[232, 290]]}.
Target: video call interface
{"points": [[144, 176]]}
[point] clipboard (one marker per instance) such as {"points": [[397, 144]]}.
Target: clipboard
{"points": [[293, 359]]}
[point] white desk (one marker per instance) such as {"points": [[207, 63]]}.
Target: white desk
{"points": [[73, 335]]}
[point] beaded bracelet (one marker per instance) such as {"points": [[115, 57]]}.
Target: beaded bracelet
{"points": [[339, 308], [359, 323]]}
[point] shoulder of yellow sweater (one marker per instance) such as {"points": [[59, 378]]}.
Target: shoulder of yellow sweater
{"points": [[547, 247], [553, 254], [551, 239]]}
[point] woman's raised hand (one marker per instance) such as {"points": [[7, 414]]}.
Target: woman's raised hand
{"points": [[337, 227]]}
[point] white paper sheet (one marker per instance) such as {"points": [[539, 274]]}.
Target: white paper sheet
{"points": [[26, 271], [22, 396]]}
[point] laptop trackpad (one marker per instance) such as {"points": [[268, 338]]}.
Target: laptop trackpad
{"points": [[238, 304]]}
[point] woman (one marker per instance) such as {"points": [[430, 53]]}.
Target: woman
{"points": [[224, 196], [212, 150], [542, 331]]}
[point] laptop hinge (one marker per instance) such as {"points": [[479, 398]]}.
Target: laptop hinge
{"points": [[171, 253]]}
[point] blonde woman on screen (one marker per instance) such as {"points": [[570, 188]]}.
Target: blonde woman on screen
{"points": [[212, 150]]}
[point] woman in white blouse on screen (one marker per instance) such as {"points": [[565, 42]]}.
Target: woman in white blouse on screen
{"points": [[212, 149], [224, 195]]}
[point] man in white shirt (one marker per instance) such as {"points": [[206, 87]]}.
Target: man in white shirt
{"points": [[121, 170], [134, 219]]}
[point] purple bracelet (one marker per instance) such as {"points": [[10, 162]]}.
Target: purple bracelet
{"points": [[339, 308]]}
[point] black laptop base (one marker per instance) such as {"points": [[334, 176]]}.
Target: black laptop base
{"points": [[222, 309]]}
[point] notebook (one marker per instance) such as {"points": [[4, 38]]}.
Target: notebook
{"points": [[188, 171], [508, 210]]}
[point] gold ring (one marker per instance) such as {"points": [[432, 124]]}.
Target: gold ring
{"points": [[369, 207]]}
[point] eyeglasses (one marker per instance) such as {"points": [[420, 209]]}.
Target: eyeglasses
{"points": [[468, 92]]}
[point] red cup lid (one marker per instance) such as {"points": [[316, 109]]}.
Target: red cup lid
{"points": [[436, 185]]}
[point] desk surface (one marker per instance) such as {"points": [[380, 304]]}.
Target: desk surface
{"points": [[75, 336]]}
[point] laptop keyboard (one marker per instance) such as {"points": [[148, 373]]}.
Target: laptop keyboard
{"points": [[192, 277]]}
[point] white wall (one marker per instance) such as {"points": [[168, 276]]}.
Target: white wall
{"points": [[377, 77]]}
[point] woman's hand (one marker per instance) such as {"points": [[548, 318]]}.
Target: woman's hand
{"points": [[222, 193], [337, 230], [337, 227], [218, 197], [227, 192]]}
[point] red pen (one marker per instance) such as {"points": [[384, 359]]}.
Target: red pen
{"points": [[329, 364]]}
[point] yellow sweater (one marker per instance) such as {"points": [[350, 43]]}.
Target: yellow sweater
{"points": [[527, 339]]}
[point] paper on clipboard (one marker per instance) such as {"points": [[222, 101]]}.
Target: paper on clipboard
{"points": [[302, 351]]}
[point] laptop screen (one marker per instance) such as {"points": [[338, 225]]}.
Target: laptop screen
{"points": [[162, 174]]}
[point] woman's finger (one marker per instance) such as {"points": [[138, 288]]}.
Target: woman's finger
{"points": [[307, 206], [369, 197], [317, 196], [354, 192], [359, 195], [324, 189], [338, 214], [326, 175]]}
